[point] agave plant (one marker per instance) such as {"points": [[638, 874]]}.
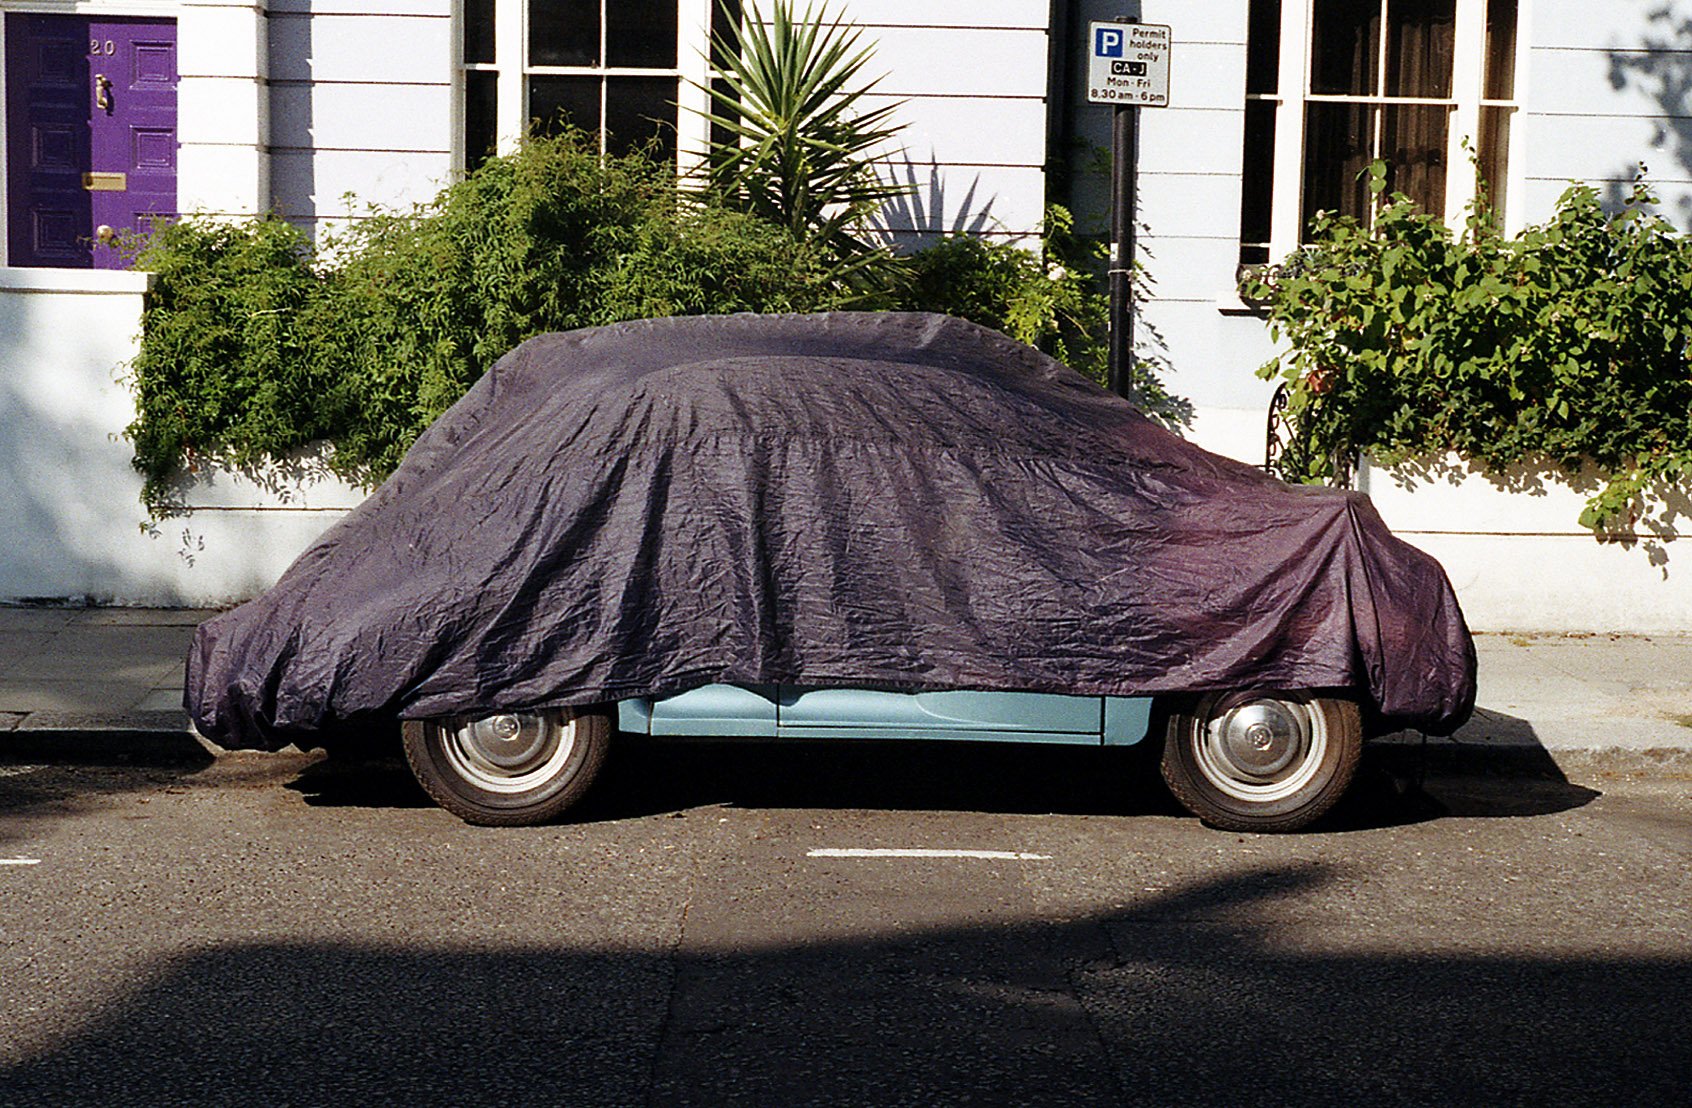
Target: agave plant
{"points": [[793, 146]]}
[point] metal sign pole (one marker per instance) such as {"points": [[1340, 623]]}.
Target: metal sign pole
{"points": [[1123, 139], [1127, 68]]}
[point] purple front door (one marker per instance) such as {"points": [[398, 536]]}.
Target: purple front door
{"points": [[90, 135]]}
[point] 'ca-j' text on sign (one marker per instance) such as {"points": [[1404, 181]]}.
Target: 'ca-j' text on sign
{"points": [[1128, 63]]}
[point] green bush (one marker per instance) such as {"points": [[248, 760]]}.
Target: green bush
{"points": [[1055, 300], [255, 346], [1568, 345], [221, 367]]}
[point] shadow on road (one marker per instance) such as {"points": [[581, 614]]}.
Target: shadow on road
{"points": [[1206, 994], [646, 777], [32, 793]]}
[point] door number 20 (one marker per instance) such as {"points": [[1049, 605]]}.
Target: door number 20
{"points": [[97, 48]]}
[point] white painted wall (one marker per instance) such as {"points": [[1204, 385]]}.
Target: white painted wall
{"points": [[1606, 88], [362, 105], [223, 115], [1520, 561], [297, 102], [972, 80], [362, 108], [70, 500]]}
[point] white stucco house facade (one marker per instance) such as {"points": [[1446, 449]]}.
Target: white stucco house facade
{"points": [[318, 108]]}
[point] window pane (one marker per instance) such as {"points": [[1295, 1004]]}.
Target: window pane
{"points": [[1345, 46], [1420, 34], [555, 101], [478, 30], [641, 33], [1263, 46], [563, 32], [479, 126], [725, 37], [1413, 144], [1500, 49], [1337, 144], [725, 24], [1492, 154], [639, 110], [1257, 171]]}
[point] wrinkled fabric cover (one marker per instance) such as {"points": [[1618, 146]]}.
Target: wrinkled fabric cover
{"points": [[894, 501]]}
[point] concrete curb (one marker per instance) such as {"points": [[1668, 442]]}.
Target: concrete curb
{"points": [[167, 738], [113, 748], [171, 720], [1518, 759], [87, 738]]}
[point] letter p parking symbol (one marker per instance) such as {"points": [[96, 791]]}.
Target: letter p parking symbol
{"points": [[1107, 42]]}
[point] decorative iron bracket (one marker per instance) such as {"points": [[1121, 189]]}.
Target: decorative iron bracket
{"points": [[1278, 433]]}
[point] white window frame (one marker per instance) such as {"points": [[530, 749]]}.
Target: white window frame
{"points": [[511, 46], [1293, 94]]}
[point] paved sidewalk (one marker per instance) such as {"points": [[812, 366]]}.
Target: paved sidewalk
{"points": [[107, 682], [100, 683]]}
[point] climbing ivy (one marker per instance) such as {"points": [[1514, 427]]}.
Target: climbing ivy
{"points": [[1567, 346]]}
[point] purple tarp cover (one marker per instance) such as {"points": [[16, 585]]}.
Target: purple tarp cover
{"points": [[850, 499]]}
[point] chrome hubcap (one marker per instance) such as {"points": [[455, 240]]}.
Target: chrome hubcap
{"points": [[1259, 748], [509, 752]]}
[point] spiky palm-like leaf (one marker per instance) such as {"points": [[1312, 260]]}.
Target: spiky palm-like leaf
{"points": [[797, 151]]}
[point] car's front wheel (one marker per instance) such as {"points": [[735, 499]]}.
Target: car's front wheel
{"points": [[508, 768], [1261, 761]]}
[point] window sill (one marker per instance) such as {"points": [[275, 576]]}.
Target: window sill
{"points": [[85, 281], [1233, 305]]}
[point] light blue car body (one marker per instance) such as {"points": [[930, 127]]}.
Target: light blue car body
{"points": [[800, 712]]}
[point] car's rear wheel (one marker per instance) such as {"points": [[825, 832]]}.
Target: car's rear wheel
{"points": [[508, 768], [1261, 761]]}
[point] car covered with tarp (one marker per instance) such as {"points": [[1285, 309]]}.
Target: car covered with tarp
{"points": [[885, 505]]}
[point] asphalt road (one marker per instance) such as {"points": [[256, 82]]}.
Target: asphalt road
{"points": [[266, 929]]}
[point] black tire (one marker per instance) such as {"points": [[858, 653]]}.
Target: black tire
{"points": [[1261, 761], [507, 769]]}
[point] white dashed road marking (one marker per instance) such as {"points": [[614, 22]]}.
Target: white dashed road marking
{"points": [[884, 852], [20, 861]]}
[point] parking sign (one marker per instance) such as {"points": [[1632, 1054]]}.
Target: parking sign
{"points": [[1128, 64]]}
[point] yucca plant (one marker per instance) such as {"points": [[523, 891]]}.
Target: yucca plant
{"points": [[794, 148]]}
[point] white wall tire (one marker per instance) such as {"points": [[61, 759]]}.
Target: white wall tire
{"points": [[1261, 761], [508, 768]]}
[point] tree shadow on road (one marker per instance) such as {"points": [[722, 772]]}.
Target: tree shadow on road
{"points": [[1210, 993]]}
